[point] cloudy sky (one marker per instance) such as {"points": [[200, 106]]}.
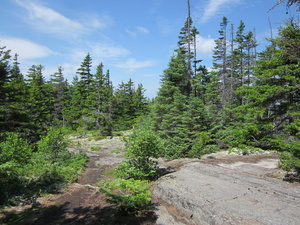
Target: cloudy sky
{"points": [[133, 38]]}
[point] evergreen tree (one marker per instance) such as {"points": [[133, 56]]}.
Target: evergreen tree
{"points": [[4, 73], [73, 106], [103, 98], [274, 99], [85, 75], [38, 101], [58, 94], [221, 63], [12, 90]]}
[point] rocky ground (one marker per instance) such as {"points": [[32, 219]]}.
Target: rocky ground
{"points": [[229, 189], [220, 188]]}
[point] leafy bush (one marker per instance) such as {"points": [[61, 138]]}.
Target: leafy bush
{"points": [[290, 158], [128, 195], [141, 147], [53, 146], [25, 173], [15, 150], [15, 153], [201, 147], [95, 148]]}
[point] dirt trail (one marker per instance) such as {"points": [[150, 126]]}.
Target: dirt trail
{"points": [[81, 203]]}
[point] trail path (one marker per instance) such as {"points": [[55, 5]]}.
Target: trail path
{"points": [[81, 203]]}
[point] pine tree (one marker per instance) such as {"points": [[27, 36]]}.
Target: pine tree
{"points": [[73, 106], [58, 94], [13, 111], [39, 100], [103, 98], [221, 62], [274, 99], [85, 91], [4, 73]]}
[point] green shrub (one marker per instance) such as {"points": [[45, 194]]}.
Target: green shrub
{"points": [[290, 158], [200, 146], [15, 153], [95, 148], [128, 195], [24, 173], [53, 146], [15, 150], [141, 147]]}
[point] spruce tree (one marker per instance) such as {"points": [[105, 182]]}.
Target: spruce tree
{"points": [[39, 100], [59, 88], [274, 98], [102, 101]]}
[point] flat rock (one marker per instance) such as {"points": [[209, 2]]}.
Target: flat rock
{"points": [[213, 194]]}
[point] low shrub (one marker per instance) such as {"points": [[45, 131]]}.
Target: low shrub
{"points": [[95, 148], [129, 195], [141, 147]]}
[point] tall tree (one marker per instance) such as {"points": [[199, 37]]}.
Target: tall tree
{"points": [[102, 101], [220, 61], [58, 93], [274, 99], [39, 99]]}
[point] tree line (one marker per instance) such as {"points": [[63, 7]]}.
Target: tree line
{"points": [[249, 100], [30, 104]]}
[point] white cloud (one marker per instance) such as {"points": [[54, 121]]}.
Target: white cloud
{"points": [[138, 30], [205, 45], [132, 33], [143, 30], [131, 65], [48, 20], [106, 50], [213, 7], [26, 49]]}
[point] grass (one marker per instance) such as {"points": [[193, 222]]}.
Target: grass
{"points": [[96, 148]]}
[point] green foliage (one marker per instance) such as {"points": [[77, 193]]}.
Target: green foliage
{"points": [[95, 148], [15, 153], [290, 157], [201, 145], [15, 150], [289, 162], [141, 147], [27, 171], [53, 146], [129, 195]]}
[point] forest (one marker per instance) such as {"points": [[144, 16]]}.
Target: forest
{"points": [[248, 101]]}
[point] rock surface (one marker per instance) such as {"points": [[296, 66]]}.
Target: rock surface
{"points": [[230, 194]]}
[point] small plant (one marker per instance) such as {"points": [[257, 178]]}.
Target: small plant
{"points": [[290, 157], [129, 195], [98, 138], [96, 148], [141, 148]]}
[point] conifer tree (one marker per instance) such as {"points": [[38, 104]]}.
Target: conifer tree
{"points": [[59, 88], [274, 99], [39, 100], [4, 73], [102, 99], [73, 106], [221, 63]]}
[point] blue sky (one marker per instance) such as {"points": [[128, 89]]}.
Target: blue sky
{"points": [[133, 38]]}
